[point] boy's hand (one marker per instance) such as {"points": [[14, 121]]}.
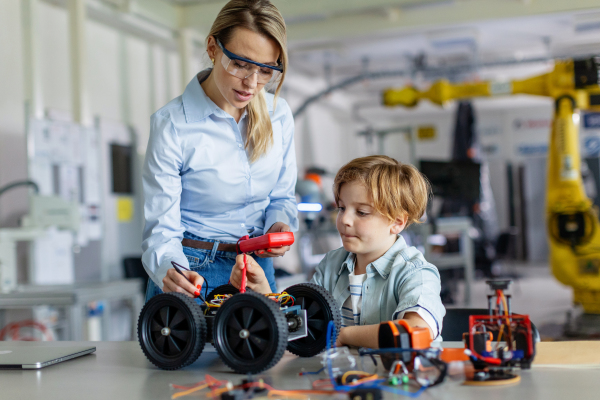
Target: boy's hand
{"points": [[255, 276], [274, 251], [173, 282], [338, 340]]}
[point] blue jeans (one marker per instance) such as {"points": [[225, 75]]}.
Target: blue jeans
{"points": [[215, 266]]}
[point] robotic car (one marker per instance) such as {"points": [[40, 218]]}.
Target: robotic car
{"points": [[250, 331]]}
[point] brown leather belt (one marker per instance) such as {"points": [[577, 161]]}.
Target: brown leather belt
{"points": [[198, 244]]}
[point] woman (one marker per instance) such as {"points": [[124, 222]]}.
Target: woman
{"points": [[220, 162]]}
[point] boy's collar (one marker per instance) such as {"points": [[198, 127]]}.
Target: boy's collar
{"points": [[348, 263], [383, 264]]}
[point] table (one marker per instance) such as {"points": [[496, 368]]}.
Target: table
{"points": [[119, 370], [75, 299]]}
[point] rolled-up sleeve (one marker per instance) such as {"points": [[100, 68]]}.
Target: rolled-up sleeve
{"points": [[282, 206], [421, 289], [163, 229]]}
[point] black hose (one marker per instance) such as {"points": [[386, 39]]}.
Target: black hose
{"points": [[17, 184]]}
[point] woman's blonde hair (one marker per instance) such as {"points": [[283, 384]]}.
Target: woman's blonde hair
{"points": [[395, 189], [262, 17]]}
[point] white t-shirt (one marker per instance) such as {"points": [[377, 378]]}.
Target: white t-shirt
{"points": [[353, 304]]}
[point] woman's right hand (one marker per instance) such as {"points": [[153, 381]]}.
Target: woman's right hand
{"points": [[255, 276], [174, 282]]}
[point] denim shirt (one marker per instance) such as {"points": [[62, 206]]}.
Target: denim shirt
{"points": [[398, 280]]}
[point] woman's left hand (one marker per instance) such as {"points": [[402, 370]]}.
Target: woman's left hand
{"points": [[274, 251]]}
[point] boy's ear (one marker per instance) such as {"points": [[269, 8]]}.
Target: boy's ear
{"points": [[399, 224]]}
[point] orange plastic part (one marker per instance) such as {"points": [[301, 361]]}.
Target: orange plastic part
{"points": [[449, 355], [420, 338], [316, 178]]}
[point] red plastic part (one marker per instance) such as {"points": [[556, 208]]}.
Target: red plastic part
{"points": [[263, 242], [243, 284], [277, 239], [516, 320]]}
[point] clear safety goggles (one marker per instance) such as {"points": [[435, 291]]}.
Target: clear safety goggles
{"points": [[243, 68]]}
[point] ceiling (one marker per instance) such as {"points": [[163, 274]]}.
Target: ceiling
{"points": [[341, 38], [417, 41]]}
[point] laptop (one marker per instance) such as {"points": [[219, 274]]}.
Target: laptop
{"points": [[35, 357]]}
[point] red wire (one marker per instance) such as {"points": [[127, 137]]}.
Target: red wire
{"points": [[322, 384], [243, 284], [174, 386], [209, 380]]}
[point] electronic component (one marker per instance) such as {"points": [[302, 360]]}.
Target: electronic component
{"points": [[365, 394], [269, 240], [233, 395], [246, 245], [399, 334], [176, 339]]}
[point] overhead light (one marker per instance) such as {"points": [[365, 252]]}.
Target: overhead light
{"points": [[309, 207]]}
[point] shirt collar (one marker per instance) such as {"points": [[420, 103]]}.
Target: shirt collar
{"points": [[197, 105], [383, 264], [348, 263]]}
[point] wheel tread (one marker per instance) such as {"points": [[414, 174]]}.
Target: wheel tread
{"points": [[281, 344], [335, 310], [200, 332]]}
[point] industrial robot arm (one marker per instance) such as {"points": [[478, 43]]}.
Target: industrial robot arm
{"points": [[573, 225]]}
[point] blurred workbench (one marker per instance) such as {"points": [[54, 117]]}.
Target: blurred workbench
{"points": [[75, 299]]}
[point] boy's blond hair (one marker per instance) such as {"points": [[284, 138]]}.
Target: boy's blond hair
{"points": [[395, 189]]}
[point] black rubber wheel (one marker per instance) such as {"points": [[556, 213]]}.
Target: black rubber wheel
{"points": [[171, 330], [223, 289], [521, 343], [320, 308], [250, 333]]}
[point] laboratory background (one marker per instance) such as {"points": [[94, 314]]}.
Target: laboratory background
{"points": [[496, 102]]}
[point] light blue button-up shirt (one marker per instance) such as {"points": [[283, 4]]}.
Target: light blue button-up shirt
{"points": [[401, 280], [197, 177]]}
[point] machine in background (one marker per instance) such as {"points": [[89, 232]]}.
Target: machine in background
{"points": [[573, 226]]}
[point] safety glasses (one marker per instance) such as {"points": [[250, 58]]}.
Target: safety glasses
{"points": [[243, 68]]}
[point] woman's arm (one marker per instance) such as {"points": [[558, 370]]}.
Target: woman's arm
{"points": [[368, 335], [162, 192]]}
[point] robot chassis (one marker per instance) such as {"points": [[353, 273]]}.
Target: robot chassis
{"points": [[250, 331]]}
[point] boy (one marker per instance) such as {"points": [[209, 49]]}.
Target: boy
{"points": [[375, 276]]}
